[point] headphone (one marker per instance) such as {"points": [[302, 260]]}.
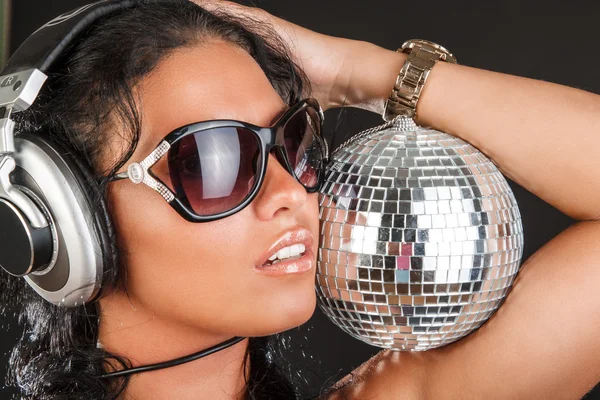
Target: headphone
{"points": [[49, 234]]}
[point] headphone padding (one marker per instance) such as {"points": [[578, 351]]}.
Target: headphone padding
{"points": [[67, 189]]}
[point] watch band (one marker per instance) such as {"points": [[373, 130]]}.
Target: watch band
{"points": [[422, 56]]}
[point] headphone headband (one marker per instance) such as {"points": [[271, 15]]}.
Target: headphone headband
{"points": [[25, 73], [46, 45]]}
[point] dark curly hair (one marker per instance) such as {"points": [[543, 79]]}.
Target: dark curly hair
{"points": [[92, 88]]}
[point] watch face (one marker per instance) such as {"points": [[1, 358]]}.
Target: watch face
{"points": [[443, 53]]}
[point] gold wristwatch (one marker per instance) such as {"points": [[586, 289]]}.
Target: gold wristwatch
{"points": [[422, 56]]}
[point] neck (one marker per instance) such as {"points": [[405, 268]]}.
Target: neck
{"points": [[132, 332]]}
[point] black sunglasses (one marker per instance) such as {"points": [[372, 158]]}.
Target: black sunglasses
{"points": [[217, 167]]}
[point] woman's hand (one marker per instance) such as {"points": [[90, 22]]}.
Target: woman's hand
{"points": [[333, 64]]}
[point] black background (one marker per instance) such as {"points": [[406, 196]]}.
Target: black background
{"points": [[556, 42]]}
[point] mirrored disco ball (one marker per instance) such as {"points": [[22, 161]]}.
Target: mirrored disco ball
{"points": [[421, 238]]}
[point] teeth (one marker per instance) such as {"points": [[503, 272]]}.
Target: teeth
{"points": [[288, 252], [284, 253]]}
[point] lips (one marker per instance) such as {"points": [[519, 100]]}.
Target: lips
{"points": [[295, 239]]}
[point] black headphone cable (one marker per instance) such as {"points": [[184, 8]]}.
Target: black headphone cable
{"points": [[177, 361]]}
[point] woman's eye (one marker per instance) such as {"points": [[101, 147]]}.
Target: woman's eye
{"points": [[190, 165]]}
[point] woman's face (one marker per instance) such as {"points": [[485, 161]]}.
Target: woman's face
{"points": [[209, 276]]}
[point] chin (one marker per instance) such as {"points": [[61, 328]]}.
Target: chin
{"points": [[299, 313], [281, 314]]}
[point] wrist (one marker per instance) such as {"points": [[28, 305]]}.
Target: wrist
{"points": [[366, 76], [423, 55]]}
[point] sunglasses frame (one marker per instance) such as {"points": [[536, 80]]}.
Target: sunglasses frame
{"points": [[139, 172]]}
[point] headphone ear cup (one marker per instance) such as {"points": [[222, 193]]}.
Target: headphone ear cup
{"points": [[78, 212]]}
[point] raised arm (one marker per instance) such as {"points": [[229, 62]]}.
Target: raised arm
{"points": [[544, 136], [543, 342]]}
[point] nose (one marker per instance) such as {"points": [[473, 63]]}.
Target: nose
{"points": [[280, 192]]}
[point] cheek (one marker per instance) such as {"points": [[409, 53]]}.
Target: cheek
{"points": [[312, 216], [203, 275], [167, 258]]}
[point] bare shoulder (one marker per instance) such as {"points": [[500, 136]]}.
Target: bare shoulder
{"points": [[387, 375]]}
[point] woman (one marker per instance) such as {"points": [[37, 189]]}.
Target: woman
{"points": [[185, 289]]}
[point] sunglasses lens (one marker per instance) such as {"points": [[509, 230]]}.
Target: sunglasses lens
{"points": [[301, 136], [214, 170]]}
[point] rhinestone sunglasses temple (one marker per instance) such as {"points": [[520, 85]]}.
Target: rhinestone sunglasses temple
{"points": [[138, 172]]}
